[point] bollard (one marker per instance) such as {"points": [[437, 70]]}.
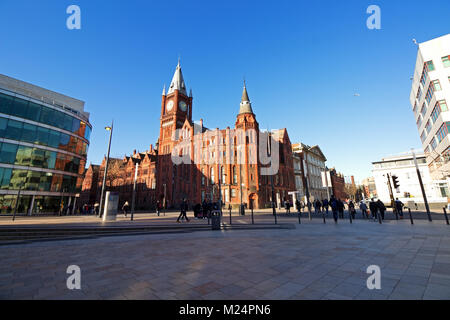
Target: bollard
{"points": [[350, 217], [445, 215], [230, 215], [299, 220], [410, 216], [253, 221], [323, 216]]}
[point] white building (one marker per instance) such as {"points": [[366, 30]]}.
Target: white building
{"points": [[312, 161], [404, 168], [430, 99]]}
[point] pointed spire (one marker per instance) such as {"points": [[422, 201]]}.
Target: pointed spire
{"points": [[177, 81], [246, 106], [164, 90], [190, 93]]}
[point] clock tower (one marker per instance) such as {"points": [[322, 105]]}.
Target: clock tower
{"points": [[176, 108]]}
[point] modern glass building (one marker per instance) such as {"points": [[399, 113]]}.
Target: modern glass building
{"points": [[44, 139]]}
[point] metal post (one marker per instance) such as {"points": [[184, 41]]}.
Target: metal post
{"points": [[17, 201], [133, 198], [350, 216], [164, 204], [379, 217], [110, 129], [421, 187], [230, 212], [445, 215], [410, 216], [253, 221]]}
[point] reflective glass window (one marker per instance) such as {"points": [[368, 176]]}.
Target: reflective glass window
{"points": [[75, 125], [3, 125], [38, 158], [14, 129], [67, 122], [23, 156], [42, 135], [46, 115], [34, 111], [46, 181], [8, 153], [5, 103], [19, 108], [87, 134], [54, 138], [18, 179], [64, 141], [29, 133], [6, 178]]}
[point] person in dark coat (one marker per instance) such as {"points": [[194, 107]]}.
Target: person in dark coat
{"points": [[373, 208], [341, 208], [325, 205], [381, 208], [399, 206], [297, 205], [351, 209], [334, 208], [183, 209]]}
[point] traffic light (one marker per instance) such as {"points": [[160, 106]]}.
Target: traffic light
{"points": [[395, 181]]}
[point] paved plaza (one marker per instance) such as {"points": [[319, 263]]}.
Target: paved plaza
{"points": [[311, 261]]}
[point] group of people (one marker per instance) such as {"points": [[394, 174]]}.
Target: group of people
{"points": [[338, 206]]}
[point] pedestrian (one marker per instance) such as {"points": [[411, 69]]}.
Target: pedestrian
{"points": [[381, 208], [183, 209], [96, 208], [287, 206], [302, 206], [325, 205], [399, 206], [317, 206], [125, 208], [363, 208], [334, 208], [351, 209], [341, 208], [158, 207], [297, 205], [373, 208]]}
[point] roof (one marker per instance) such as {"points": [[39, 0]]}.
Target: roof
{"points": [[177, 81], [245, 106]]}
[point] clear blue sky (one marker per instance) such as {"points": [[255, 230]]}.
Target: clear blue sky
{"points": [[303, 61]]}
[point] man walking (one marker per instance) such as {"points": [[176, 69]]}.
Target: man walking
{"points": [[158, 207], [381, 208], [341, 208], [183, 208], [325, 205], [399, 206], [363, 208], [373, 208], [334, 208], [125, 208]]}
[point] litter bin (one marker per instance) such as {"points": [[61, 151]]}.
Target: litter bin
{"points": [[215, 220]]}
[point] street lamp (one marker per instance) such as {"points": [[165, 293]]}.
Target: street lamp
{"points": [[110, 129]]}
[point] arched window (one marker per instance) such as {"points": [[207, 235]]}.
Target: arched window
{"points": [[234, 175], [203, 176], [212, 175]]}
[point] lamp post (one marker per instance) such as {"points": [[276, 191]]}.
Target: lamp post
{"points": [[110, 129], [421, 186]]}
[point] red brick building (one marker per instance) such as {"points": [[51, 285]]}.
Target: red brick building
{"points": [[193, 162], [338, 184]]}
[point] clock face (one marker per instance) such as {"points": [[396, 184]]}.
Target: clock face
{"points": [[182, 105], [170, 105]]}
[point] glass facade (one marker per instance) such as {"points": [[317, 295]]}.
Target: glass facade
{"points": [[42, 153]]}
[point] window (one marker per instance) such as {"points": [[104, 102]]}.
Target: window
{"points": [[437, 85], [423, 111], [415, 107], [443, 105], [419, 121], [423, 136], [430, 65], [13, 130], [222, 173], [419, 94], [8, 153], [203, 177], [233, 193], [29, 133], [430, 92], [428, 126], [234, 175], [442, 132], [424, 77], [212, 176], [433, 143], [5, 103], [436, 112], [446, 61]]}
